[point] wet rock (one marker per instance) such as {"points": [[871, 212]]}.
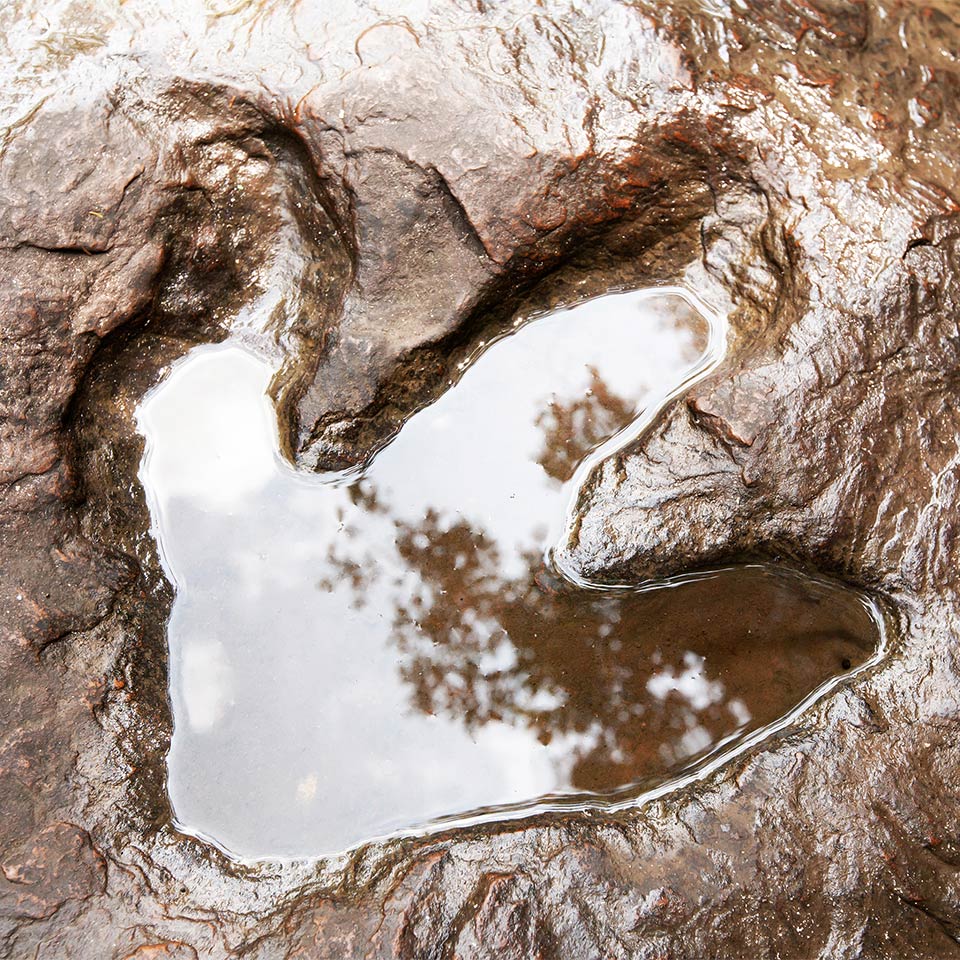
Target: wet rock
{"points": [[405, 185], [58, 865]]}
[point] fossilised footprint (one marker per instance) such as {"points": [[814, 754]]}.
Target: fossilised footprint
{"points": [[358, 656]]}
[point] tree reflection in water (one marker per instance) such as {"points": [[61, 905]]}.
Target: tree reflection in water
{"points": [[572, 429], [639, 682]]}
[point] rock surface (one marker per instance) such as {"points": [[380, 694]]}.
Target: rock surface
{"points": [[395, 186]]}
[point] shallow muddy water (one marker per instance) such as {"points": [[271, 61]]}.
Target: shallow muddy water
{"points": [[358, 656]]}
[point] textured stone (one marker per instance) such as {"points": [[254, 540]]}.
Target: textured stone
{"points": [[405, 183]]}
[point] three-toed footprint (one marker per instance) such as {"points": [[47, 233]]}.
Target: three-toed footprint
{"points": [[358, 656]]}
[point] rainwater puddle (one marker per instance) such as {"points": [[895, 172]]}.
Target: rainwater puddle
{"points": [[355, 658]]}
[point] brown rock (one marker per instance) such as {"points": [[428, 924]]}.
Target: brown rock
{"points": [[414, 182]]}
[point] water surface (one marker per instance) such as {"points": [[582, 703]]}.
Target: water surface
{"points": [[353, 657]]}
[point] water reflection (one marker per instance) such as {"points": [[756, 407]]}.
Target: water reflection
{"points": [[351, 659]]}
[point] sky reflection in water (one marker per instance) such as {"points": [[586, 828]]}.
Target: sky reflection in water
{"points": [[349, 660]]}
